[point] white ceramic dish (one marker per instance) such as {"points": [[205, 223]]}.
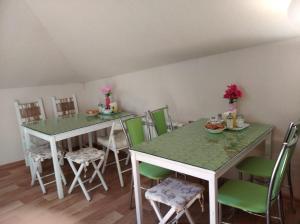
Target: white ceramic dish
{"points": [[215, 131], [246, 125]]}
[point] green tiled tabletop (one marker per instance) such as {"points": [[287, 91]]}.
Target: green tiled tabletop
{"points": [[55, 126], [193, 145]]}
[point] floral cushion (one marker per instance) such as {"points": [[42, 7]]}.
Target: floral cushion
{"points": [[174, 192], [41, 153], [85, 155]]}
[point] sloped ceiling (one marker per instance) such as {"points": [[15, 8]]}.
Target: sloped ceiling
{"points": [[100, 38], [28, 56]]}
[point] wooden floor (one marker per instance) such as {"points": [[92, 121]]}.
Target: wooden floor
{"points": [[20, 203]]}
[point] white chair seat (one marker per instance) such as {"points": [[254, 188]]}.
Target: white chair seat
{"points": [[39, 154], [85, 155], [119, 142], [174, 193]]}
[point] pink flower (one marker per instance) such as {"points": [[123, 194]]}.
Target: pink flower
{"points": [[106, 89], [233, 92]]}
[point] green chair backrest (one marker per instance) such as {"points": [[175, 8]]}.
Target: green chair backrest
{"points": [[134, 129], [159, 120], [283, 162]]}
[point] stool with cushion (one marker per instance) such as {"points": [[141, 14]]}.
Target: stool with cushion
{"points": [[37, 156], [177, 194], [84, 157], [115, 142]]}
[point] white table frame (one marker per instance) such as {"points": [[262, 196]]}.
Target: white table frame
{"points": [[53, 139], [205, 174]]}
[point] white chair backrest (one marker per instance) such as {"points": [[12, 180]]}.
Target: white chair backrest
{"points": [[26, 113], [29, 112], [64, 106]]}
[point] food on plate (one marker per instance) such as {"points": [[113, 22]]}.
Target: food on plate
{"points": [[92, 111], [214, 126]]}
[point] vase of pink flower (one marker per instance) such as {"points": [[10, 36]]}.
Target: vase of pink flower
{"points": [[232, 93], [107, 91]]}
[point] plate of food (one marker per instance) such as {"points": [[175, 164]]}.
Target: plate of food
{"points": [[92, 112], [215, 127]]}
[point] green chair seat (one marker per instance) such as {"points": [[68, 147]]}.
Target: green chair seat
{"points": [[153, 172], [257, 166], [244, 195]]}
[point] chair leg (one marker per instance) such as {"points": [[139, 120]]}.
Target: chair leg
{"points": [[268, 218], [290, 184], [69, 140], [131, 194], [189, 217], [33, 175], [37, 174], [62, 176], [280, 209], [127, 159], [105, 159], [97, 168], [156, 210], [77, 178], [167, 216], [95, 173], [119, 168], [220, 213], [80, 141]]}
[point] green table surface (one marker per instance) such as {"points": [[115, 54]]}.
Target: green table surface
{"points": [[194, 145], [54, 126]]}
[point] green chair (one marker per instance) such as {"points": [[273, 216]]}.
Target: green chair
{"points": [[135, 134], [161, 120], [256, 166], [258, 199]]}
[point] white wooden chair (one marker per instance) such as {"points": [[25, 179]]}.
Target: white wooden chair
{"points": [[35, 150], [177, 194], [84, 157], [65, 107], [115, 142]]}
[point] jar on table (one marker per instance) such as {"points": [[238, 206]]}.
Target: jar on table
{"points": [[230, 121], [240, 121]]}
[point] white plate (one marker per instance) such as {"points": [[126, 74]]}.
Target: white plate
{"points": [[215, 131], [246, 125]]}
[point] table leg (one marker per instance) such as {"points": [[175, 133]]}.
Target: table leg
{"points": [[268, 146], [213, 205], [137, 189], [56, 165], [90, 137]]}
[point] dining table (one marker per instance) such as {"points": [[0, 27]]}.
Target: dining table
{"points": [[193, 151], [54, 130]]}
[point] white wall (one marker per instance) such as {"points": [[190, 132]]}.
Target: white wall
{"points": [[10, 140], [269, 75]]}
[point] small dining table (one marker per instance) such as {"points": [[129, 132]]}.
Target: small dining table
{"points": [[193, 151], [54, 130]]}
